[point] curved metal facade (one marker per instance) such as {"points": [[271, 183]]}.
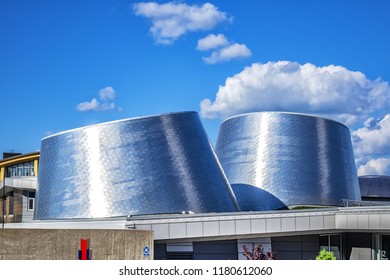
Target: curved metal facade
{"points": [[149, 165], [375, 187], [275, 160]]}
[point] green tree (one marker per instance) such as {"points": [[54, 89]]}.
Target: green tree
{"points": [[325, 255]]}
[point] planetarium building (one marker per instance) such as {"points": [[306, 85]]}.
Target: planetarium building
{"points": [[148, 165], [275, 160], [153, 188]]}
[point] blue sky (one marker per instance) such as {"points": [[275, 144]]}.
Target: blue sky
{"points": [[66, 64]]}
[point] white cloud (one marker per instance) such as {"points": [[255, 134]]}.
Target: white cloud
{"points": [[87, 106], [107, 93], [223, 50], [172, 20], [105, 102], [212, 41], [380, 166], [372, 146], [331, 91], [95, 105], [374, 138], [228, 53]]}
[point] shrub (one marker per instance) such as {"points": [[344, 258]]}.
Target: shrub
{"points": [[325, 255], [257, 253]]}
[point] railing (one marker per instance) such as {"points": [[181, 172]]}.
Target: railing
{"points": [[357, 203], [20, 182]]}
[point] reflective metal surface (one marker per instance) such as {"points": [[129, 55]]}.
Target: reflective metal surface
{"points": [[148, 165], [275, 160], [375, 186]]}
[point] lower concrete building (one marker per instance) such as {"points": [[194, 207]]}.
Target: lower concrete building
{"points": [[352, 233]]}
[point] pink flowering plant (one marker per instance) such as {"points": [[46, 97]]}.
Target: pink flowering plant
{"points": [[257, 253]]}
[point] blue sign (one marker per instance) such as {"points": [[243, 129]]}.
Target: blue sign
{"points": [[146, 251]]}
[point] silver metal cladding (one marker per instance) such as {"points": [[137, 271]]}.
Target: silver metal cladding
{"points": [[275, 160], [375, 187], [148, 165]]}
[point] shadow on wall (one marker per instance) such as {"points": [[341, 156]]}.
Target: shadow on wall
{"points": [[251, 198]]}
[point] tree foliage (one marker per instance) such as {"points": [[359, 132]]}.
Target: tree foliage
{"points": [[257, 253], [325, 255]]}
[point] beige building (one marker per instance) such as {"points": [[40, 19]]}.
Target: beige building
{"points": [[18, 183]]}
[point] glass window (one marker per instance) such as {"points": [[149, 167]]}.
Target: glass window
{"points": [[32, 169], [31, 202], [20, 170], [11, 203], [324, 242], [9, 172], [26, 169], [331, 243]]}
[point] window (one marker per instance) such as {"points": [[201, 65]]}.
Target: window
{"points": [[30, 205], [30, 201], [179, 256], [331, 243], [11, 204], [23, 169], [9, 172], [20, 170]]}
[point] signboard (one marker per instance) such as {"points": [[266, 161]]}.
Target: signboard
{"points": [[85, 253], [146, 251]]}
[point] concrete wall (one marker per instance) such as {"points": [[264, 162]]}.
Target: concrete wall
{"points": [[63, 244]]}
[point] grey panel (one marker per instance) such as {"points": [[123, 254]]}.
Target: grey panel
{"points": [[216, 250], [286, 246], [302, 247], [309, 255], [216, 256], [148, 165], [225, 246], [274, 160], [311, 246], [160, 251], [310, 238]]}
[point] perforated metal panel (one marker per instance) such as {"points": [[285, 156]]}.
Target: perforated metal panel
{"points": [[375, 186], [148, 165], [274, 160]]}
